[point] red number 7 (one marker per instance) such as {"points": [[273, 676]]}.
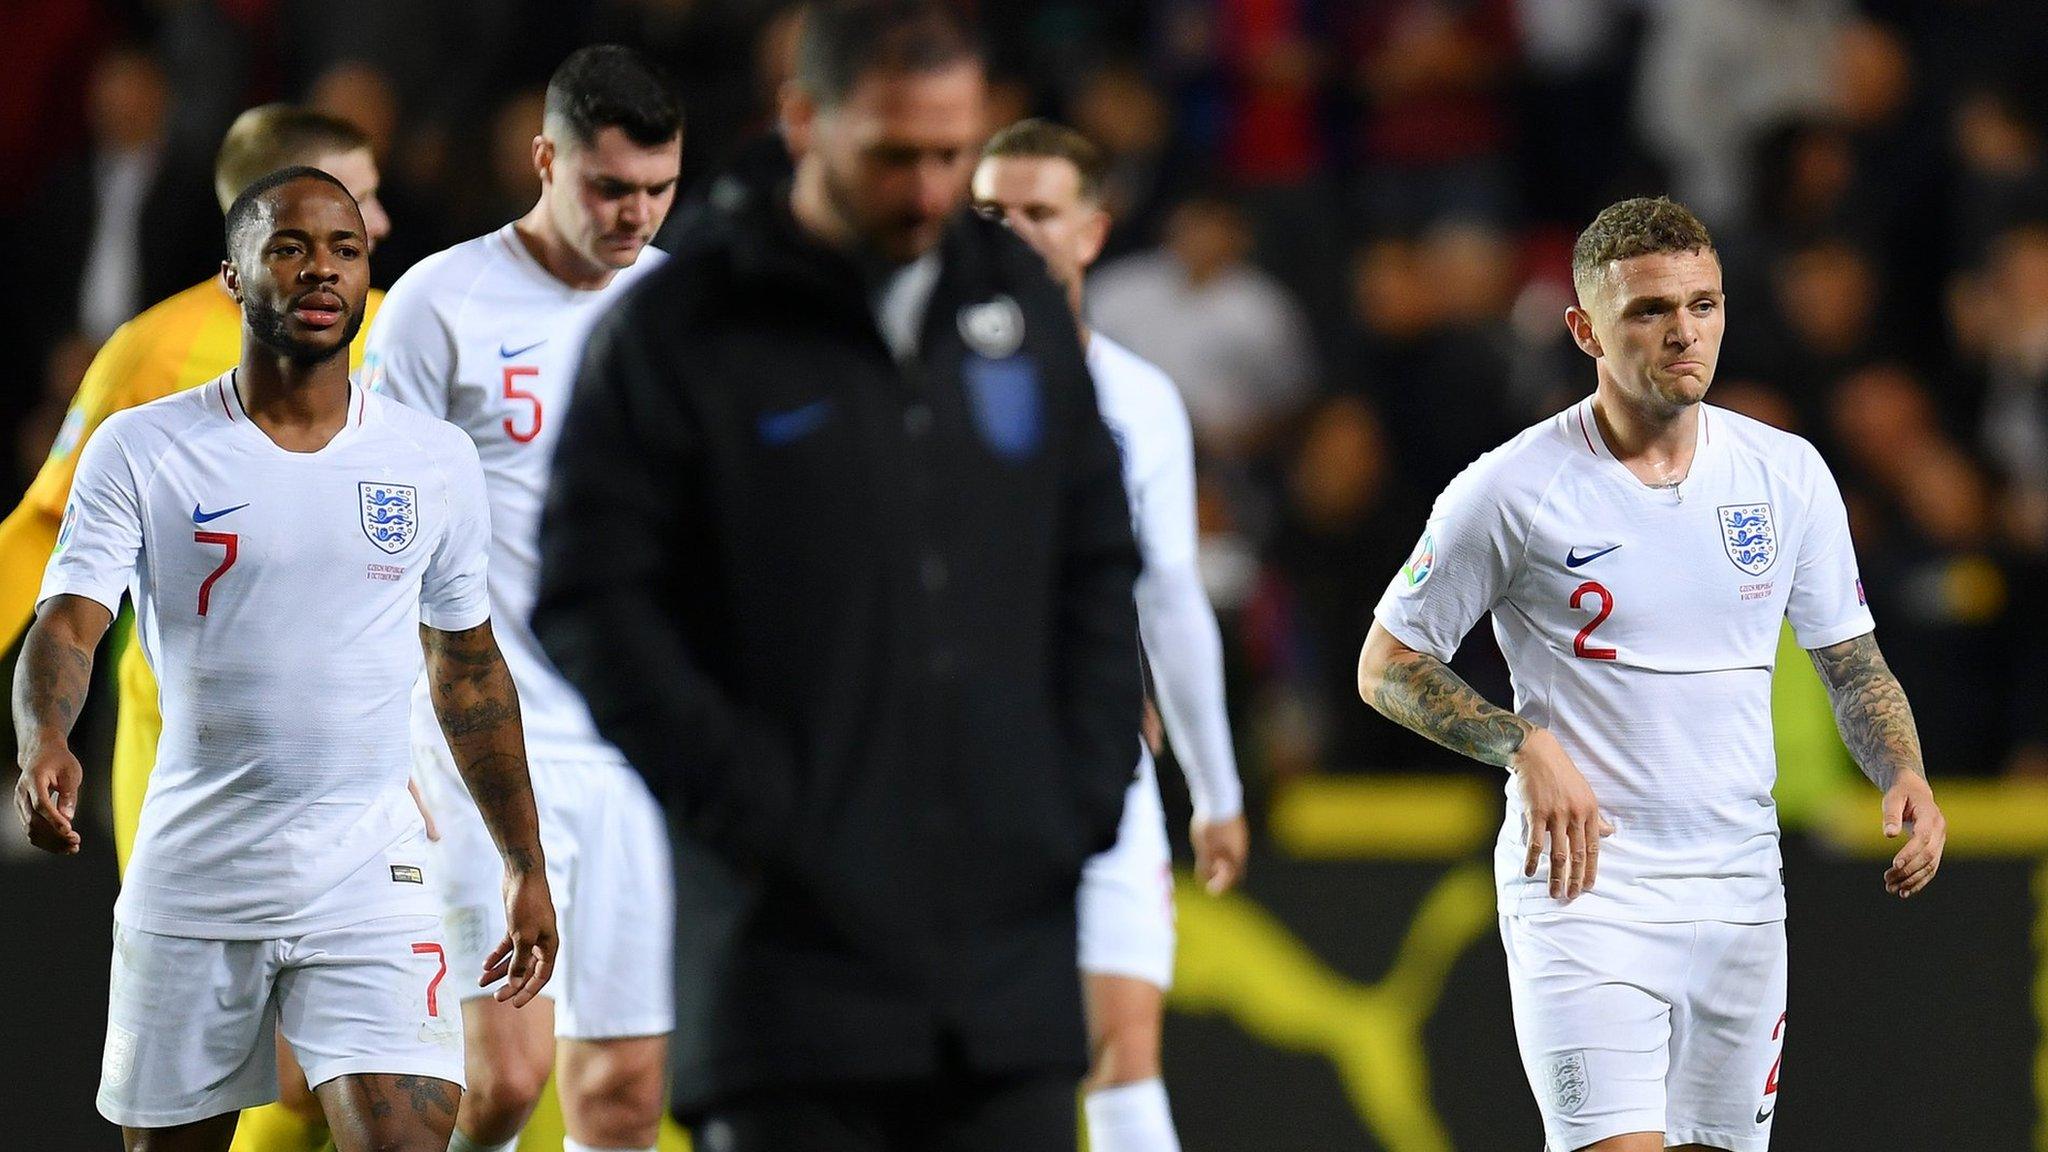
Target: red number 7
{"points": [[434, 985], [227, 540]]}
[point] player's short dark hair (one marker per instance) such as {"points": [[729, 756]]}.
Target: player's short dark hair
{"points": [[1643, 226], [844, 40], [1043, 139], [242, 212], [612, 86], [273, 136]]}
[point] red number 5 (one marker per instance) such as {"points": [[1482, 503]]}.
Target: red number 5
{"points": [[1580, 648], [227, 540], [514, 392]]}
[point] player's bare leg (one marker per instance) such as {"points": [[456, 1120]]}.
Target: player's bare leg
{"points": [[508, 1053], [294, 1123], [612, 1090], [379, 1112], [1126, 1105], [209, 1135]]}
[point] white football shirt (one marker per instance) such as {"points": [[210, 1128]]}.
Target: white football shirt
{"points": [[1640, 626], [483, 336], [278, 596], [1145, 415]]}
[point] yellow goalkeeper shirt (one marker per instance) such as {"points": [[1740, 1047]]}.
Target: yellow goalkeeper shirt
{"points": [[179, 343]]}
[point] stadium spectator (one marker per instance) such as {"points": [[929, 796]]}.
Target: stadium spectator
{"points": [[1233, 339], [1431, 347], [129, 222], [1753, 62], [1433, 131], [1348, 509], [1120, 109]]}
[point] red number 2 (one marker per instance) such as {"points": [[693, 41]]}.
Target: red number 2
{"points": [[227, 540], [1771, 1081], [1580, 648], [434, 985], [514, 392]]}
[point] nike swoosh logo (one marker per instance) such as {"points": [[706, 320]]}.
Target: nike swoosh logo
{"points": [[1572, 559], [781, 428], [1763, 1114], [199, 517], [509, 353]]}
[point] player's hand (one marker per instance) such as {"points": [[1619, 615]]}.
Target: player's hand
{"points": [[1221, 847], [426, 814], [1909, 807], [46, 799], [1564, 815], [525, 958]]}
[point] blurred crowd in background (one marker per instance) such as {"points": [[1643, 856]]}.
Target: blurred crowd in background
{"points": [[1343, 226]]}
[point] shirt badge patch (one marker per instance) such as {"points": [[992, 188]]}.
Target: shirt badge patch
{"points": [[1749, 535], [994, 329], [69, 434], [69, 527], [1421, 563], [390, 514]]}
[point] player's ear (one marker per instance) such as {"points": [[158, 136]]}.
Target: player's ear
{"points": [[799, 118], [231, 280], [1579, 323], [544, 159], [1094, 234]]}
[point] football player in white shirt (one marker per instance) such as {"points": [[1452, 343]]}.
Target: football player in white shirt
{"points": [[291, 543], [1043, 180], [488, 335], [1638, 553]]}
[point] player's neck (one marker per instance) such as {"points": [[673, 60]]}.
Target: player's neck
{"points": [[299, 406], [551, 252], [1657, 445], [811, 208]]}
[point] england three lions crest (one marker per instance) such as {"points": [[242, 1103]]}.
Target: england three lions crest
{"points": [[391, 514], [1750, 536]]}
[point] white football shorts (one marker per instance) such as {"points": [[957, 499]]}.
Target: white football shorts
{"points": [[1649, 1027], [1126, 904], [608, 868], [192, 1023]]}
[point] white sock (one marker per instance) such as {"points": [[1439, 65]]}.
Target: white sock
{"points": [[569, 1145], [462, 1143], [1131, 1118]]}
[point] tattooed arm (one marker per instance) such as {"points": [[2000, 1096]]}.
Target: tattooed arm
{"points": [[1877, 724], [479, 712], [1422, 694], [51, 680]]}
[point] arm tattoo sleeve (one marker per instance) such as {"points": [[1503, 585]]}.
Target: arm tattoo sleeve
{"points": [[1420, 693], [479, 712], [1870, 709], [52, 680]]}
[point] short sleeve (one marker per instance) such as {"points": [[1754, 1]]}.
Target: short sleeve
{"points": [[455, 593], [101, 536], [1826, 605], [1459, 569], [410, 356]]}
